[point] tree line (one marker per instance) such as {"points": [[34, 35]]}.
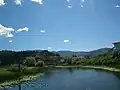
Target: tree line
{"points": [[45, 57], [29, 58]]}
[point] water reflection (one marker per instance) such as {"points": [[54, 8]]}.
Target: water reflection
{"points": [[20, 87], [70, 70], [117, 74]]}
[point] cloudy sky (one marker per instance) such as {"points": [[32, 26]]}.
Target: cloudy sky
{"points": [[59, 24]]}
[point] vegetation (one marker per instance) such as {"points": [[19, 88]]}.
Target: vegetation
{"points": [[111, 59]]}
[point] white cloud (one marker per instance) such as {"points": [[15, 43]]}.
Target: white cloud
{"points": [[49, 48], [5, 31], [66, 41], [10, 41], [2, 2], [37, 1], [68, 1], [81, 6], [117, 6], [82, 1], [69, 6], [42, 31], [18, 2], [23, 29]]}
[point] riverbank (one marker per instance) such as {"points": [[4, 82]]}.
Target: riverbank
{"points": [[26, 78], [8, 84], [92, 67]]}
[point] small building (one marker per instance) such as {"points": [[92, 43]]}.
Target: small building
{"points": [[116, 45]]}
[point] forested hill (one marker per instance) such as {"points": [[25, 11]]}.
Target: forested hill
{"points": [[13, 57]]}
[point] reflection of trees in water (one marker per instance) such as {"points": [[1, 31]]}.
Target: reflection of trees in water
{"points": [[48, 74], [20, 87], [19, 84], [71, 70], [117, 74], [102, 70]]}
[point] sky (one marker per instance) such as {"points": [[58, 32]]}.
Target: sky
{"points": [[76, 25]]}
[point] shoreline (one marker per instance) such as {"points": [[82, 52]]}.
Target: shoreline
{"points": [[8, 84], [92, 67]]}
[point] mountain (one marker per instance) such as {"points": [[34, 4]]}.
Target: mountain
{"points": [[70, 53], [82, 53], [99, 51]]}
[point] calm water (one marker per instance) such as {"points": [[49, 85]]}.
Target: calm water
{"points": [[73, 79]]}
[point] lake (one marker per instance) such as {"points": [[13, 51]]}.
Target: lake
{"points": [[73, 79]]}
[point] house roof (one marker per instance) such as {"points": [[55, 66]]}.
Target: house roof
{"points": [[116, 43]]}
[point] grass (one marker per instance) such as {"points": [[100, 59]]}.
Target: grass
{"points": [[7, 75]]}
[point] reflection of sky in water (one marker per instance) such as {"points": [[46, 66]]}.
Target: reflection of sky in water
{"points": [[76, 80]]}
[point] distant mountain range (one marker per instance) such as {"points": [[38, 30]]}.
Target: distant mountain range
{"points": [[82, 53]]}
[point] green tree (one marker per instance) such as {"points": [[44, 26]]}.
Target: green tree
{"points": [[116, 54], [30, 61], [68, 60]]}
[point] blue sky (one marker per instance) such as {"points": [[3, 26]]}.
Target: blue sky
{"points": [[78, 25]]}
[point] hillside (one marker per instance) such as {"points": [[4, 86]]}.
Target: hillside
{"points": [[99, 51], [82, 53]]}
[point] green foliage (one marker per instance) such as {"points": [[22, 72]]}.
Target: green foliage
{"points": [[108, 59], [104, 59], [116, 54]]}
